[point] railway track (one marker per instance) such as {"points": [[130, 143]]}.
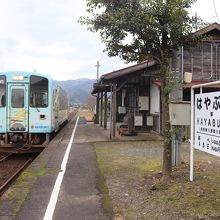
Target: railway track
{"points": [[11, 166], [4, 157]]}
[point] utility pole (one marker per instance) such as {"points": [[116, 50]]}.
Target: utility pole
{"points": [[196, 22], [97, 65], [98, 97]]}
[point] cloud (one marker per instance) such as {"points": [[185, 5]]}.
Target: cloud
{"points": [[45, 35]]}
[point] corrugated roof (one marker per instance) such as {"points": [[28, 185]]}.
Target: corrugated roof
{"points": [[185, 85], [128, 70], [195, 82]]}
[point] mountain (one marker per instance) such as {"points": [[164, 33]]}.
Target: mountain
{"points": [[78, 90]]}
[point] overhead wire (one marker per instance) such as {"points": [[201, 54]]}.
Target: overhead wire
{"points": [[103, 54], [215, 10]]}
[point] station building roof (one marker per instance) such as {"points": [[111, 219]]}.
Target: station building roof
{"points": [[126, 71], [104, 83], [108, 78], [212, 29]]}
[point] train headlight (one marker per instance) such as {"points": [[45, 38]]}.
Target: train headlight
{"points": [[18, 78]]}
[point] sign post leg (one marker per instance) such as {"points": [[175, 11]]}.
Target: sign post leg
{"points": [[191, 163], [192, 135]]}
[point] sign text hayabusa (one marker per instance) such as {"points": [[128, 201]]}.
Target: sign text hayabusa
{"points": [[207, 122]]}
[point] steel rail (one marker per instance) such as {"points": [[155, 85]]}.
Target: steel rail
{"points": [[5, 157], [13, 177]]}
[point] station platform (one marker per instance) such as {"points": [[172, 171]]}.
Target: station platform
{"points": [[77, 195]]}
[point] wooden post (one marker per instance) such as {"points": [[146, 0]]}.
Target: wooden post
{"points": [[101, 110], [130, 126], [111, 112], [114, 97], [105, 110], [97, 109]]}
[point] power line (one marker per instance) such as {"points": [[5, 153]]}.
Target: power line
{"points": [[103, 54], [216, 11]]}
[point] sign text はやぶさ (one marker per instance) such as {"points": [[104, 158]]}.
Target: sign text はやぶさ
{"points": [[207, 122]]}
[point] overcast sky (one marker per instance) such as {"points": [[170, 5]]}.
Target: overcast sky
{"points": [[44, 35]]}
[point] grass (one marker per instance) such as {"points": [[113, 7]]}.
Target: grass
{"points": [[18, 193], [102, 186], [131, 169], [122, 156], [20, 190]]}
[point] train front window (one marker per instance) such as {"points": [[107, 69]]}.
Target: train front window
{"points": [[2, 91], [38, 91], [17, 100]]}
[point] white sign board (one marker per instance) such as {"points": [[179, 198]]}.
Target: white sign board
{"points": [[207, 122]]}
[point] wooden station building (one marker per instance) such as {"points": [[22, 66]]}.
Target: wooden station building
{"points": [[135, 103]]}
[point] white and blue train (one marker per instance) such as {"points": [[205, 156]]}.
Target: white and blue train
{"points": [[32, 108]]}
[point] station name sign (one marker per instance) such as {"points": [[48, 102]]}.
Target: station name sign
{"points": [[207, 122]]}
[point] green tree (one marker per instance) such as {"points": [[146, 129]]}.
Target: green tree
{"points": [[138, 30]]}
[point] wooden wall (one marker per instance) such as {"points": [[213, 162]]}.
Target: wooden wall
{"points": [[203, 61]]}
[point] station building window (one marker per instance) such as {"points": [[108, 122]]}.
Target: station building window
{"points": [[38, 91], [2, 91]]}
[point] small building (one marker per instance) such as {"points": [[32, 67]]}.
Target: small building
{"points": [[203, 61], [135, 90]]}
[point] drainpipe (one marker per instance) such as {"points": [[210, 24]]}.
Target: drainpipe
{"points": [[211, 61], [182, 63], [216, 62]]}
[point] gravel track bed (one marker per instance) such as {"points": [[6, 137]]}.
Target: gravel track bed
{"points": [[9, 166]]}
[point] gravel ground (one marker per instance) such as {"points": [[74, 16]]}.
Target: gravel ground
{"points": [[133, 175]]}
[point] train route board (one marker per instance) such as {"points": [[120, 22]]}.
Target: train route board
{"points": [[207, 122]]}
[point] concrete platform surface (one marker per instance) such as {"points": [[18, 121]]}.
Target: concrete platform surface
{"points": [[78, 198]]}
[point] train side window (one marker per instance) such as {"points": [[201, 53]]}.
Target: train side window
{"points": [[2, 91], [17, 100], [38, 91]]}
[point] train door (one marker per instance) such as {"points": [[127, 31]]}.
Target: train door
{"points": [[17, 108]]}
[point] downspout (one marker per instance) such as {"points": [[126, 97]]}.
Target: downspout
{"points": [[216, 62], [202, 57], [182, 64], [111, 114], [211, 61]]}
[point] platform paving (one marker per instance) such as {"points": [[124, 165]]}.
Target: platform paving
{"points": [[79, 198]]}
